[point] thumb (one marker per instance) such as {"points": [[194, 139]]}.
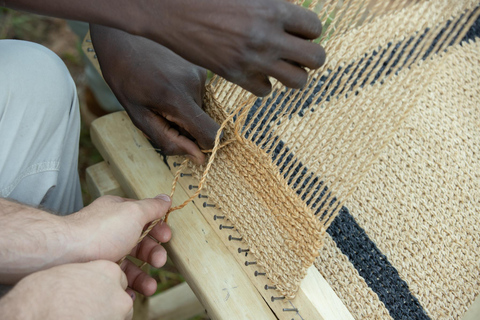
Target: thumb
{"points": [[154, 208]]}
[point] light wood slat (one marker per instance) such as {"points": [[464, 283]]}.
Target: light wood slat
{"points": [[473, 312], [101, 182], [177, 303]]}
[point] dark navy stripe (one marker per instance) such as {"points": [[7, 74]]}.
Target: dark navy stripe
{"points": [[474, 31], [375, 268], [371, 263]]}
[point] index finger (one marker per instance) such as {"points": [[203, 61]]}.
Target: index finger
{"points": [[302, 22]]}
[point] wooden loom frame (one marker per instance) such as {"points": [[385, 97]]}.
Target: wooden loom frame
{"points": [[205, 254]]}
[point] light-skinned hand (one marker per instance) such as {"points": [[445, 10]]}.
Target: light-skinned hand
{"points": [[91, 290], [110, 226]]}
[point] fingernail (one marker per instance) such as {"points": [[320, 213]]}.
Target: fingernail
{"points": [[133, 296], [163, 197]]}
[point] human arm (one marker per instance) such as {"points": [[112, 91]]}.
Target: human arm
{"points": [[243, 41], [161, 91], [92, 290], [32, 239]]}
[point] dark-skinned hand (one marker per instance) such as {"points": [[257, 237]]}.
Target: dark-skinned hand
{"points": [[243, 41], [161, 91]]}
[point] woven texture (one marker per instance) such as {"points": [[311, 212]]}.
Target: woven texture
{"points": [[420, 201], [299, 155]]}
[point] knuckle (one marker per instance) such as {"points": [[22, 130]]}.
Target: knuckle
{"points": [[125, 302], [258, 40], [283, 10], [153, 206], [132, 206]]}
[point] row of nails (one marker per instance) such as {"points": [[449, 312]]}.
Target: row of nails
{"points": [[240, 250], [190, 187], [91, 49]]}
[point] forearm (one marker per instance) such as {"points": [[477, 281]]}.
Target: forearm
{"points": [[31, 240], [130, 16]]}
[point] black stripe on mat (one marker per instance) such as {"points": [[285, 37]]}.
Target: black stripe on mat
{"points": [[375, 268]]}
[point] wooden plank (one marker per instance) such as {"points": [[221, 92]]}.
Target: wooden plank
{"points": [[317, 290], [101, 182], [212, 273], [315, 299], [177, 303], [473, 312]]}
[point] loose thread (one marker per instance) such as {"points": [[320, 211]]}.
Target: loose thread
{"points": [[226, 143]]}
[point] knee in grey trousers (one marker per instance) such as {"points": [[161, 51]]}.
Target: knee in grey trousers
{"points": [[39, 128]]}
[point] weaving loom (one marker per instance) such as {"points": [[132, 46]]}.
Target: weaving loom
{"points": [[370, 173]]}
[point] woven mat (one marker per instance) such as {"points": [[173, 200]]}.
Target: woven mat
{"points": [[300, 155], [408, 245]]}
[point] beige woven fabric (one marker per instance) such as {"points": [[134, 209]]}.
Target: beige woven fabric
{"points": [[349, 286], [420, 202], [336, 137]]}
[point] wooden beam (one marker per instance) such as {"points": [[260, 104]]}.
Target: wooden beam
{"points": [[177, 303], [101, 182], [473, 312]]}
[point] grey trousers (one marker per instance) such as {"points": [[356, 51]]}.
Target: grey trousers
{"points": [[39, 128]]}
